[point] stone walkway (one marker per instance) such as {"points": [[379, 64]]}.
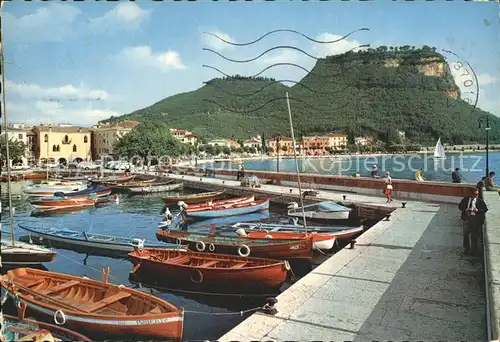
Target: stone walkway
{"points": [[405, 279]]}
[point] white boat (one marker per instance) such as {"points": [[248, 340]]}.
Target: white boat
{"points": [[25, 253], [44, 191], [439, 152], [155, 188], [320, 211]]}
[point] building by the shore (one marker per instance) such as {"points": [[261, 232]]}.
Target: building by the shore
{"points": [[184, 136], [104, 137]]}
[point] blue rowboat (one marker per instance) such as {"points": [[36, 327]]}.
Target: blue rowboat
{"points": [[230, 210], [104, 243]]}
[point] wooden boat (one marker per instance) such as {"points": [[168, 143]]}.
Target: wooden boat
{"points": [[120, 185], [99, 190], [115, 179], [51, 203], [25, 253], [35, 331], [341, 231], [52, 188], [94, 241], [156, 187], [325, 241], [92, 306], [266, 248], [321, 211], [194, 198], [219, 222], [229, 209], [210, 268], [215, 204]]}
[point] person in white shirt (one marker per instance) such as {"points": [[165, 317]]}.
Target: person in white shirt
{"points": [[388, 187], [473, 209]]}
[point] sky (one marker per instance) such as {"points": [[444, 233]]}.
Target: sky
{"points": [[83, 62]]}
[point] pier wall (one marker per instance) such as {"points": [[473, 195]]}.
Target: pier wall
{"points": [[491, 243], [403, 189]]}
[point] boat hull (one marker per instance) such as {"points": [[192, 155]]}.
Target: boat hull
{"points": [[320, 241], [155, 188], [25, 254], [332, 216], [190, 199], [56, 331], [207, 206], [78, 240], [273, 249], [233, 210], [272, 275], [94, 316], [61, 204]]}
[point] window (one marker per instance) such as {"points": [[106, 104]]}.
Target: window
{"points": [[54, 148], [85, 139], [46, 138], [58, 148], [66, 139], [74, 148], [20, 136]]}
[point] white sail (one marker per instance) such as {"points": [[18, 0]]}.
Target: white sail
{"points": [[439, 150]]}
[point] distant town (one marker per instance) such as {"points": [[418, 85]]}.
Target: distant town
{"points": [[65, 143]]}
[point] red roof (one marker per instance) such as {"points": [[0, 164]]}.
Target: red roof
{"points": [[336, 135], [128, 124]]}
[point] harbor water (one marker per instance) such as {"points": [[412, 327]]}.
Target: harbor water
{"points": [[472, 165], [208, 316]]}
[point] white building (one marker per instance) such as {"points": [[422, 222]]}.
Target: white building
{"points": [[184, 136], [252, 143], [105, 137], [17, 134]]}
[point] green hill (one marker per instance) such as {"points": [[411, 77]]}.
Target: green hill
{"points": [[368, 92]]}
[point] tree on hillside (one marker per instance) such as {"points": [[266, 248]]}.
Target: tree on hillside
{"points": [[149, 140], [16, 149]]}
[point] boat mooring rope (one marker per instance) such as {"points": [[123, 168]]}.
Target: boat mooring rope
{"points": [[256, 295], [241, 313]]}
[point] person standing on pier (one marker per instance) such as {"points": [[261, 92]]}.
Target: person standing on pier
{"points": [[456, 176], [473, 210], [388, 187]]}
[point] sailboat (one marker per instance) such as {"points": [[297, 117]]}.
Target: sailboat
{"points": [[15, 252], [439, 150]]}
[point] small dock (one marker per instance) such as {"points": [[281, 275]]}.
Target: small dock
{"points": [[405, 279]]}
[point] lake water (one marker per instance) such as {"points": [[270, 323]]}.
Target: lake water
{"points": [[472, 165], [138, 217]]}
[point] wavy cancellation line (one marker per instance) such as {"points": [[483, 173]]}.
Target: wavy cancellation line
{"points": [[289, 47], [272, 83], [287, 30], [274, 100]]}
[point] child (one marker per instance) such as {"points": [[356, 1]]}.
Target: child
{"points": [[388, 187]]}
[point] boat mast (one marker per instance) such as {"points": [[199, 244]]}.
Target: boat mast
{"points": [[296, 162], [7, 156]]}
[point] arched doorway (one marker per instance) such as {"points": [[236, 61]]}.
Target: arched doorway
{"points": [[62, 161], [78, 160]]}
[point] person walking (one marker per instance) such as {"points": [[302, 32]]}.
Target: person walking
{"points": [[388, 187], [456, 176], [473, 211]]}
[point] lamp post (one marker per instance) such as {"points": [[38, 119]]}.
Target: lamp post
{"points": [[485, 120], [277, 138]]}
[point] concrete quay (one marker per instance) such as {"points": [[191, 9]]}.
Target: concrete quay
{"points": [[406, 279]]}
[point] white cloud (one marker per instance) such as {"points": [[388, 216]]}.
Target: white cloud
{"points": [[281, 56], [214, 43], [56, 112], [485, 79], [52, 23], [145, 57], [66, 92], [329, 49], [126, 15]]}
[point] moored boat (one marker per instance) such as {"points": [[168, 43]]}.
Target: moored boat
{"points": [[155, 187], [229, 209], [194, 198], [23, 253], [97, 189], [93, 306], [216, 204], [51, 203], [94, 241], [323, 241], [325, 210], [53, 187], [216, 243], [115, 179], [210, 268], [32, 330]]}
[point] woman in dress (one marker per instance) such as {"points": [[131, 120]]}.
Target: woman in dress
{"points": [[388, 187]]}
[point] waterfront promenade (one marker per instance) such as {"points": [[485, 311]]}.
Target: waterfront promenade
{"points": [[406, 278]]}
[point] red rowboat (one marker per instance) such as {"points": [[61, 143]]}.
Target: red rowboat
{"points": [[210, 268], [92, 306], [265, 248], [320, 241], [216, 204], [194, 198], [64, 203]]}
